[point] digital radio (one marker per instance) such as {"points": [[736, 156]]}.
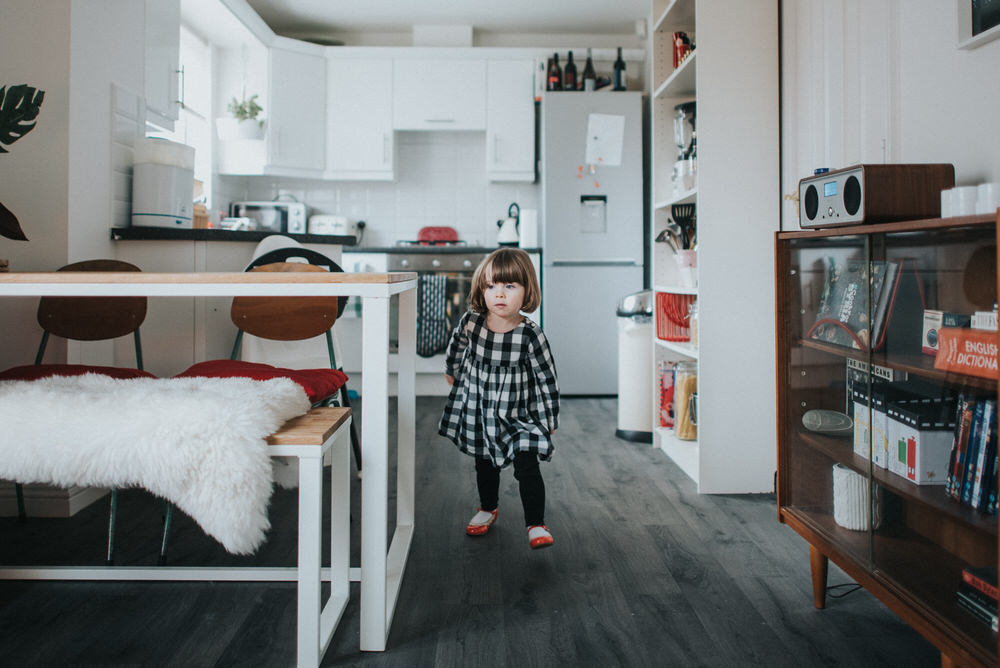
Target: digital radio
{"points": [[873, 194]]}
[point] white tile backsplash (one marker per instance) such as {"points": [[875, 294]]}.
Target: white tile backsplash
{"points": [[440, 180]]}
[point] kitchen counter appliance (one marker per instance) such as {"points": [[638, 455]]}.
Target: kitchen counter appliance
{"points": [[281, 217]]}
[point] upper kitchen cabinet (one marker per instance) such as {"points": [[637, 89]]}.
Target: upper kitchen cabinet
{"points": [[439, 94], [297, 91], [359, 135], [510, 120], [289, 79], [163, 35]]}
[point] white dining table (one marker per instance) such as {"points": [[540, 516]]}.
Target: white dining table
{"points": [[383, 561]]}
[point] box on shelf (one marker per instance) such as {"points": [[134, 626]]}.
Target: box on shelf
{"points": [[985, 320], [920, 437], [969, 351], [872, 426], [933, 322]]}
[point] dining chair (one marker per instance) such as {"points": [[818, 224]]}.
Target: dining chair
{"points": [[89, 319], [289, 319]]}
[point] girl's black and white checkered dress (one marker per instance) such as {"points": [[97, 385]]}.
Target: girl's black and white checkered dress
{"points": [[505, 398]]}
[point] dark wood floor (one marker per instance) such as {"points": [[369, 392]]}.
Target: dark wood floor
{"points": [[644, 572]]}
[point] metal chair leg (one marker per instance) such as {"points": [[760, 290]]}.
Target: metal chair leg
{"points": [[110, 559], [22, 516], [345, 402], [168, 517]]}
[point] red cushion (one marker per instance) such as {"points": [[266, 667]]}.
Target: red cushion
{"points": [[318, 383], [36, 371]]}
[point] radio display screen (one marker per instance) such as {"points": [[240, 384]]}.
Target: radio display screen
{"points": [[829, 189]]}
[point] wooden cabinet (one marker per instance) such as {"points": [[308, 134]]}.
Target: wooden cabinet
{"points": [[510, 120], [296, 127], [359, 134], [439, 94], [731, 192], [874, 498], [163, 35]]}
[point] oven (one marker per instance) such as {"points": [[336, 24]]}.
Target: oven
{"points": [[444, 275]]}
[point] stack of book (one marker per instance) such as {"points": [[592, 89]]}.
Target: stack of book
{"points": [[972, 466], [977, 593]]}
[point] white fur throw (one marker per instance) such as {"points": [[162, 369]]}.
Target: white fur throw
{"points": [[198, 442]]}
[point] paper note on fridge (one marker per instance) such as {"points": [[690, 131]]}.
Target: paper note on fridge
{"points": [[605, 139]]}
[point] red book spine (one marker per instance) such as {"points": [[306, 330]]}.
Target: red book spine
{"points": [[980, 584]]}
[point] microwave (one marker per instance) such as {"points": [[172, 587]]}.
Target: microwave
{"points": [[279, 217]]}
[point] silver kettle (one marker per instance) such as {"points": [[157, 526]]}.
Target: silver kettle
{"points": [[508, 227]]}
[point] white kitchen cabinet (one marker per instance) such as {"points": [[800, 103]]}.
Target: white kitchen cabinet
{"points": [[733, 76], [510, 120], [163, 39], [359, 134], [296, 127], [439, 94]]}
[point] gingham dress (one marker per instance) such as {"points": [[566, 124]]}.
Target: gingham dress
{"points": [[505, 398]]}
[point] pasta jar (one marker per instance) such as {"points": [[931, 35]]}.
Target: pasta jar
{"points": [[685, 387]]}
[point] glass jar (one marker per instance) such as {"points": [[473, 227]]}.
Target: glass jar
{"points": [[685, 389], [693, 323]]}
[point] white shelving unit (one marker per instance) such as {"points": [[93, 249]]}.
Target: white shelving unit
{"points": [[733, 75]]}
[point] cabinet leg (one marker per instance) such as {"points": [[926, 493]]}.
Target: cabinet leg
{"points": [[946, 661], [818, 565]]}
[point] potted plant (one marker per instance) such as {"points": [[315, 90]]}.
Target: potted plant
{"points": [[244, 122]]}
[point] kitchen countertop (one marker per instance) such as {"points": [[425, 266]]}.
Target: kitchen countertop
{"points": [[449, 250], [175, 234]]}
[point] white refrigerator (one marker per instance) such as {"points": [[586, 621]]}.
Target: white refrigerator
{"points": [[592, 226]]}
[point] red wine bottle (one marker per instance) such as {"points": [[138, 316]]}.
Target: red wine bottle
{"points": [[555, 74], [589, 75], [618, 77], [569, 74]]}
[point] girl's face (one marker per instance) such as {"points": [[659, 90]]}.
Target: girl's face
{"points": [[503, 299]]}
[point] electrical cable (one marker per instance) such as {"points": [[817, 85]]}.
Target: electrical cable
{"points": [[854, 586]]}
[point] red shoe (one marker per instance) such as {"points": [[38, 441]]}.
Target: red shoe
{"points": [[539, 536], [481, 522]]}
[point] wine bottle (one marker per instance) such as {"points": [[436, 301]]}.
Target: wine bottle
{"points": [[555, 74], [619, 72], [589, 75], [569, 73]]}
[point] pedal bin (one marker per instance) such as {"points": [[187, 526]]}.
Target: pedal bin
{"points": [[635, 369]]}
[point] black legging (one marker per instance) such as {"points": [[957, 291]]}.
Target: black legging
{"points": [[530, 481]]}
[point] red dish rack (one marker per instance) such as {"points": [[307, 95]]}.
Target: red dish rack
{"points": [[673, 316]]}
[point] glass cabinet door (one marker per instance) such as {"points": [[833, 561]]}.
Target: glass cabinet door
{"points": [[934, 501], [826, 332]]}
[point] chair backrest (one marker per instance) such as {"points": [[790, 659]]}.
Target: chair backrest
{"points": [[92, 318], [310, 256], [285, 318]]}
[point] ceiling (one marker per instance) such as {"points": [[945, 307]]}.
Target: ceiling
{"points": [[295, 18]]}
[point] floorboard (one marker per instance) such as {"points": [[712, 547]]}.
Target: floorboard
{"points": [[644, 572]]}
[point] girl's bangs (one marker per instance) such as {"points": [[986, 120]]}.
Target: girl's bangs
{"points": [[505, 270]]}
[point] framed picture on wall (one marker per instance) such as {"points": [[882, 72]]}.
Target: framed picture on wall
{"points": [[978, 22]]}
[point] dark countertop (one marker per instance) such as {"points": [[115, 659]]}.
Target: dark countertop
{"points": [[174, 234], [447, 250]]}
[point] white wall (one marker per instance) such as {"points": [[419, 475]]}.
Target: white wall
{"points": [[57, 178], [878, 81], [440, 180]]}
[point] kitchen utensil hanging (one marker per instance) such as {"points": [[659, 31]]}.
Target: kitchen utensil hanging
{"points": [[685, 217]]}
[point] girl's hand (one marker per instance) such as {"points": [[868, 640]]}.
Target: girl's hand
{"points": [[450, 379]]}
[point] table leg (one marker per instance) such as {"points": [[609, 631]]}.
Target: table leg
{"points": [[375, 483], [406, 408], [310, 535]]}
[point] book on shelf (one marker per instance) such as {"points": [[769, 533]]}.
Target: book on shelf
{"points": [[967, 351], [977, 610], [965, 409], [983, 578], [987, 451], [844, 311], [978, 596], [972, 453]]}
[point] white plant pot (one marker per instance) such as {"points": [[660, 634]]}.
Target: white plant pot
{"points": [[230, 129]]}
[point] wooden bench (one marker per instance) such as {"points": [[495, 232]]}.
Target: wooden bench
{"points": [[308, 438]]}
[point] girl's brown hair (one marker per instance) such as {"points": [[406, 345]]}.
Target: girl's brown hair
{"points": [[506, 265]]}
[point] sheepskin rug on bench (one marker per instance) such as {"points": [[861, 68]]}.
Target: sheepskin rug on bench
{"points": [[198, 442]]}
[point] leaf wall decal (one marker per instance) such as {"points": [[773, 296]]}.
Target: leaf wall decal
{"points": [[19, 107], [9, 225]]}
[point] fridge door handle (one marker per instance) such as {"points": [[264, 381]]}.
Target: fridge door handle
{"points": [[611, 262]]}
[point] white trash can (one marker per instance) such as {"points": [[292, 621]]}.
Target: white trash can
{"points": [[635, 368]]}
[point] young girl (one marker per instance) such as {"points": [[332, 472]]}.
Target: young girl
{"points": [[504, 400]]}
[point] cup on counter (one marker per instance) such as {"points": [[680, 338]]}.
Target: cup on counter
{"points": [[987, 197], [963, 200]]}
